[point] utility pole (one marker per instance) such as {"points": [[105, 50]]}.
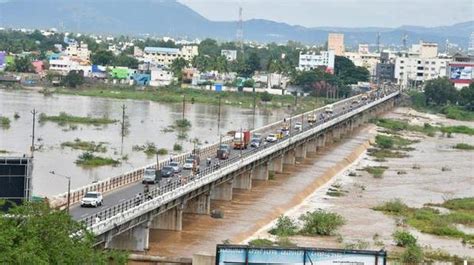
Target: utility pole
{"points": [[219, 117], [32, 148], [184, 105], [254, 106], [123, 120]]}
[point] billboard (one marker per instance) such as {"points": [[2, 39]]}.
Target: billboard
{"points": [[461, 72], [239, 255], [15, 180]]}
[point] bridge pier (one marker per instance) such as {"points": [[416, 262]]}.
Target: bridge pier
{"points": [[289, 158], [169, 220], [320, 142], [222, 192], [276, 164], [243, 181], [260, 172], [135, 239], [300, 151], [199, 205], [312, 146]]}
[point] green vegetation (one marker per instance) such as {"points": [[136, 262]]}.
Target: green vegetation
{"points": [[88, 159], [463, 146], [41, 235], [4, 151], [91, 146], [175, 95], [458, 113], [388, 146], [73, 79], [431, 221], [376, 172], [398, 125], [439, 255], [183, 124], [162, 151], [281, 242], [150, 149], [404, 238], [64, 118], [320, 223], [285, 226], [413, 254], [177, 148], [4, 122]]}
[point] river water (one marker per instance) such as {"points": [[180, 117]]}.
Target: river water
{"points": [[147, 121]]}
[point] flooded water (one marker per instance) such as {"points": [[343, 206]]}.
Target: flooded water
{"points": [[250, 210], [147, 120]]}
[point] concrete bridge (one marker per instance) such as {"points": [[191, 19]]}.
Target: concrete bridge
{"points": [[126, 222]]}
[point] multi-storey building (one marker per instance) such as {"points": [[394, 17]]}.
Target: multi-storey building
{"points": [[78, 51], [166, 56], [336, 43], [230, 55], [310, 61]]}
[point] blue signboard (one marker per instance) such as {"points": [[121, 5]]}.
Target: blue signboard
{"points": [[218, 87], [233, 254]]}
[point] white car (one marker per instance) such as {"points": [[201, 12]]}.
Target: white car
{"points": [[149, 176], [298, 126], [188, 164], [92, 198], [271, 138]]}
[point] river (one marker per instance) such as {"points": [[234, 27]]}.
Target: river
{"points": [[147, 121]]}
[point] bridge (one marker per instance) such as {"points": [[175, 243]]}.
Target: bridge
{"points": [[124, 221]]}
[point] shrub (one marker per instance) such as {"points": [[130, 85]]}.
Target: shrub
{"points": [[284, 227], [384, 141], [261, 243], [463, 146], [413, 254], [177, 147], [396, 207], [404, 238], [320, 222], [162, 151], [266, 97], [4, 122]]}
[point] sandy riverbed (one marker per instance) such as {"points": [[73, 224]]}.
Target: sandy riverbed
{"points": [[417, 187]]}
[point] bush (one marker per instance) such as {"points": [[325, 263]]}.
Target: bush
{"points": [[284, 227], [4, 122], [464, 146], [413, 254], [162, 151], [177, 147], [266, 97], [404, 238], [261, 243], [396, 207], [320, 223]]}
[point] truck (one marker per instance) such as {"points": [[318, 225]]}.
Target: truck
{"points": [[329, 109], [241, 139], [223, 152]]}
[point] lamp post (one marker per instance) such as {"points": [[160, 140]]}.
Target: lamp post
{"points": [[68, 188]]}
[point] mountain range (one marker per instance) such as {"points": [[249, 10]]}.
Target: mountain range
{"points": [[171, 18]]}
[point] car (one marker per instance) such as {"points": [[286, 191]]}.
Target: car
{"points": [[299, 126], [167, 172], [188, 163], [256, 142], [271, 138], [196, 158], [149, 176], [176, 167], [223, 152], [92, 198]]}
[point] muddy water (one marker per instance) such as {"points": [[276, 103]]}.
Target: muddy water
{"points": [[147, 120], [250, 210], [419, 186]]}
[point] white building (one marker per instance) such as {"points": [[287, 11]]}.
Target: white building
{"points": [[80, 51], [310, 61], [364, 59], [160, 77], [166, 56], [230, 55], [64, 66], [419, 64]]}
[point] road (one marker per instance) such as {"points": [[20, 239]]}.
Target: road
{"points": [[129, 192]]}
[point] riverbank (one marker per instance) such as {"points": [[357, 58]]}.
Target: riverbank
{"points": [[176, 95], [433, 172]]}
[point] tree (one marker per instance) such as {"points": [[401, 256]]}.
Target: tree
{"points": [[177, 67], [103, 57], [125, 60], [209, 47], [345, 69], [74, 79], [466, 96], [440, 91], [21, 65], [36, 234]]}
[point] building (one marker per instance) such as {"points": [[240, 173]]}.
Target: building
{"points": [[160, 77], [461, 71], [165, 56], [336, 43], [78, 51], [363, 48], [470, 49], [419, 64], [310, 61], [385, 69], [230, 55], [364, 59], [3, 60]]}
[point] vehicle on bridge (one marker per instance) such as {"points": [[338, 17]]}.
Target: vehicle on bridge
{"points": [[256, 142], [189, 163], [271, 138], [299, 126], [167, 172], [150, 176], [92, 198], [176, 167], [329, 109], [223, 152], [311, 118], [241, 139], [196, 158]]}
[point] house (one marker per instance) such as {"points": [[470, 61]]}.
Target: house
{"points": [[38, 67], [160, 77]]}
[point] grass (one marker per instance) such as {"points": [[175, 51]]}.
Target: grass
{"points": [[458, 113], [175, 95], [89, 146], [87, 159], [432, 221], [394, 125], [376, 171], [183, 124], [4, 122], [64, 118], [281, 242], [418, 101], [463, 146], [150, 149]]}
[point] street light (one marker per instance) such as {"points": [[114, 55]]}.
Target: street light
{"points": [[68, 188]]}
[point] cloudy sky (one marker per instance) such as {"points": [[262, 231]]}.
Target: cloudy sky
{"points": [[343, 13]]}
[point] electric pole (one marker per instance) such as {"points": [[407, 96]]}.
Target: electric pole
{"points": [[219, 117], [32, 148], [184, 105], [254, 106], [123, 120]]}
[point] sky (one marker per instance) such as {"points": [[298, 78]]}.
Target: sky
{"points": [[341, 13]]}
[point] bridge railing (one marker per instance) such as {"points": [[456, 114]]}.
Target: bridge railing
{"points": [[176, 187]]}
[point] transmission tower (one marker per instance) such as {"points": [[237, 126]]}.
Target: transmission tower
{"points": [[240, 31], [404, 41]]}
